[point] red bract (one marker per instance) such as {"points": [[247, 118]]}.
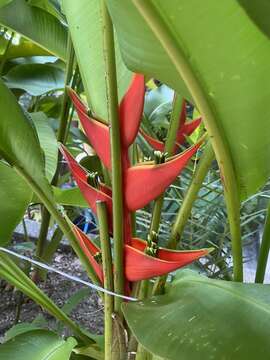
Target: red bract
{"points": [[91, 194], [144, 183], [141, 184], [185, 129], [90, 250], [139, 265]]}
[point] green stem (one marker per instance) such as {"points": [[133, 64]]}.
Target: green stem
{"points": [[108, 277], [191, 195], [169, 147], [185, 209], [264, 250], [61, 134], [4, 56], [117, 197], [204, 103], [41, 243]]}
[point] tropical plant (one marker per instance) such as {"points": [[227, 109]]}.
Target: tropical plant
{"points": [[171, 163]]}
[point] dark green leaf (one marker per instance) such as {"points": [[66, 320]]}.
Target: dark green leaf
{"points": [[19, 144], [15, 196], [37, 25], [37, 345], [204, 319]]}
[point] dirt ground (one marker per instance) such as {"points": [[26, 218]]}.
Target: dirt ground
{"points": [[89, 313]]}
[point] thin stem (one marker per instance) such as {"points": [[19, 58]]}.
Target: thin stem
{"points": [[4, 56], [117, 197], [61, 134], [185, 209], [264, 250], [205, 105], [191, 195], [41, 243], [169, 147], [108, 276]]}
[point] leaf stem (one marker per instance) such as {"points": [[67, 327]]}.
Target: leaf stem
{"points": [[108, 276], [205, 105], [264, 250], [191, 195], [117, 197]]}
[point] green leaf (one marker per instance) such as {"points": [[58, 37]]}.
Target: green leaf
{"points": [[15, 196], [47, 141], [4, 2], [235, 87], [18, 329], [49, 6], [37, 25], [84, 20], [19, 144], [36, 79], [37, 345], [69, 197], [204, 319]]}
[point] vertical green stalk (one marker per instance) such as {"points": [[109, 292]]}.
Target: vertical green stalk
{"points": [[4, 56], [117, 197], [63, 123], [169, 147], [185, 209], [264, 250], [167, 39], [108, 276], [191, 195]]}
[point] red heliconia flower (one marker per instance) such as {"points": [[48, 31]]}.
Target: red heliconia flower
{"points": [[141, 184], [139, 265], [185, 129]]}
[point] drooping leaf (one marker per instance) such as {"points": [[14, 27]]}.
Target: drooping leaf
{"points": [[84, 20], [37, 345], [37, 25], [36, 79], [236, 88], [204, 319], [47, 141], [15, 196]]}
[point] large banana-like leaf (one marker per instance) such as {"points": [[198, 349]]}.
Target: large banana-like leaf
{"points": [[38, 345], [15, 196], [85, 24], [225, 47], [37, 25], [202, 319]]}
